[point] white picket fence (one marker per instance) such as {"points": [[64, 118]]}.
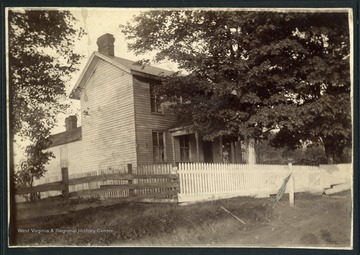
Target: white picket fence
{"points": [[201, 181]]}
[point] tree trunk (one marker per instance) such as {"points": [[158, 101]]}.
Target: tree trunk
{"points": [[330, 159], [329, 152], [251, 154]]}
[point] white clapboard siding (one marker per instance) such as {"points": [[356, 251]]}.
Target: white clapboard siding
{"points": [[146, 122], [108, 122]]}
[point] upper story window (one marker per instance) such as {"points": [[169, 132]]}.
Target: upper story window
{"points": [[155, 102], [158, 146]]}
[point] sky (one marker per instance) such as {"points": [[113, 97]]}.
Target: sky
{"points": [[96, 22]]}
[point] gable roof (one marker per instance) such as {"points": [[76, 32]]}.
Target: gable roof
{"points": [[150, 70], [66, 137], [125, 65]]}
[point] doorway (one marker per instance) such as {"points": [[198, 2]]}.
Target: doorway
{"points": [[208, 152]]}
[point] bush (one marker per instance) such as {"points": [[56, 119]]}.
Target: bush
{"points": [[312, 155]]}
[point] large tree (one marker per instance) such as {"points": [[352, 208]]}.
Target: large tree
{"points": [[41, 61], [248, 73]]}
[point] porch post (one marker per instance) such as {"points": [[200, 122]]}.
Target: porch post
{"points": [[197, 147], [173, 150], [251, 154], [221, 149], [233, 153]]}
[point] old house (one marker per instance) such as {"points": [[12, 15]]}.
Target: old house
{"points": [[122, 121]]}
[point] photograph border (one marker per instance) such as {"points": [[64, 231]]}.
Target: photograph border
{"points": [[354, 5]]}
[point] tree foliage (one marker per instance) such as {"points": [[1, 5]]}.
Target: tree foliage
{"points": [[309, 155], [41, 62], [34, 165], [252, 72]]}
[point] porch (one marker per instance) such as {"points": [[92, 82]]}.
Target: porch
{"points": [[189, 147]]}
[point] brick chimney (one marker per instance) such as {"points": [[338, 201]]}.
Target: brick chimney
{"points": [[106, 44], [71, 122]]}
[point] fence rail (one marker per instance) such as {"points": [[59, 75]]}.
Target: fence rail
{"points": [[113, 185], [190, 182]]}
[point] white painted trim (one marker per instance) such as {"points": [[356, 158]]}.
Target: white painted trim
{"points": [[82, 75]]}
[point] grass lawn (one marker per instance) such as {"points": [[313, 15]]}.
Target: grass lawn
{"points": [[314, 221]]}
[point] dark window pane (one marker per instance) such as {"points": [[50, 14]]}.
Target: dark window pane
{"points": [[155, 138], [187, 154], [158, 146], [184, 148], [161, 139], [153, 104], [154, 100], [186, 141], [162, 154], [155, 154]]}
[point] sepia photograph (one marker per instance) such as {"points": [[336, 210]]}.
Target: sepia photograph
{"points": [[180, 127]]}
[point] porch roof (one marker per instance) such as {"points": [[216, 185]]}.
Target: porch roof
{"points": [[182, 129]]}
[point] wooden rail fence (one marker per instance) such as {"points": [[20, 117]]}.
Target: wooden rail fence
{"points": [[190, 182], [110, 188]]}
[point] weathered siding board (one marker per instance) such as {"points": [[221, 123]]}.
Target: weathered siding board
{"points": [[146, 122], [53, 168], [108, 119]]}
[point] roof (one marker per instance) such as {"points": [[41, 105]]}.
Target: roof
{"points": [[66, 137], [126, 65], [133, 66]]}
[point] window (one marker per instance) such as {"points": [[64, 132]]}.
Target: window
{"points": [[184, 148], [155, 101], [158, 146]]}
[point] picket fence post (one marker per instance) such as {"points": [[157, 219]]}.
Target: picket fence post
{"points": [[291, 186]]}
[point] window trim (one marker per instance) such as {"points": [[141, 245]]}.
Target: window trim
{"points": [[158, 108], [157, 147], [188, 148]]}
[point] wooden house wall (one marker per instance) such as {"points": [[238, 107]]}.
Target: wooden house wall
{"points": [[108, 124], [74, 153], [147, 122]]}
